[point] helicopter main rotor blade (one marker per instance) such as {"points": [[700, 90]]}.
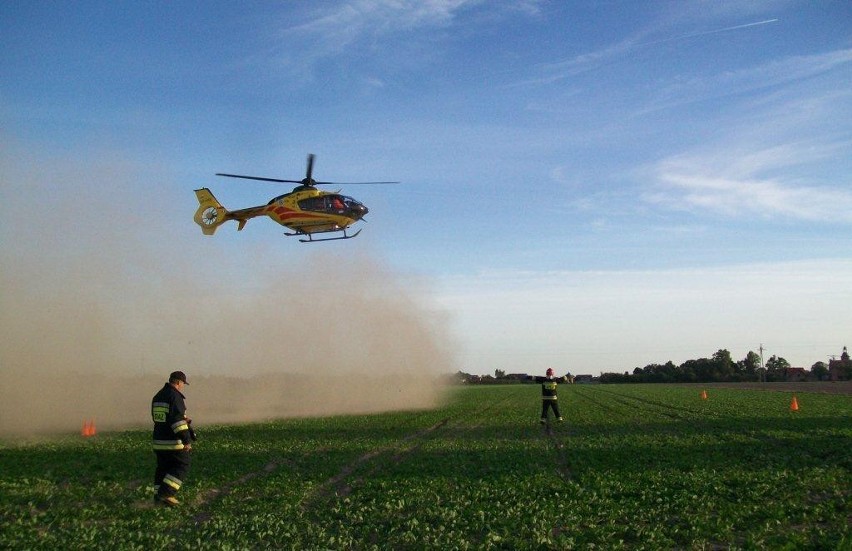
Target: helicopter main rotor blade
{"points": [[352, 183], [259, 178], [310, 170], [302, 181]]}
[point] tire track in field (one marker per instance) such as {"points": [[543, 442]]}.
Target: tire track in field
{"points": [[370, 463], [563, 467], [337, 485], [342, 483], [562, 463], [207, 497], [562, 451], [660, 408], [601, 405]]}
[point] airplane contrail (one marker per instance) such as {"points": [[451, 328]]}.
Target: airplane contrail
{"points": [[703, 33], [563, 69]]}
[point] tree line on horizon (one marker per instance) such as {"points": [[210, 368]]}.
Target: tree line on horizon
{"points": [[720, 368]]}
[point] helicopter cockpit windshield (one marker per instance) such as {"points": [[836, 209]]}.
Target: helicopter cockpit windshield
{"points": [[334, 204]]}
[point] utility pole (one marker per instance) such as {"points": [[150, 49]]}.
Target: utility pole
{"points": [[762, 371]]}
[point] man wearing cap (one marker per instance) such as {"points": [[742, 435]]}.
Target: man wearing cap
{"points": [[173, 438], [548, 394]]}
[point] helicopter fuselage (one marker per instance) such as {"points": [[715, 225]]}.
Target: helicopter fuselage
{"points": [[309, 210]]}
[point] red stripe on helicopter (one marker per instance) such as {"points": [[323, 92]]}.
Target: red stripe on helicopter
{"points": [[285, 214]]}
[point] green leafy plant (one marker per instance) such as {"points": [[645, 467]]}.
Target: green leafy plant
{"points": [[633, 466]]}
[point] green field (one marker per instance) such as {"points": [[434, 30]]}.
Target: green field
{"points": [[637, 466]]}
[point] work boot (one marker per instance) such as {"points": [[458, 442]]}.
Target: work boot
{"points": [[543, 420], [168, 501], [560, 419]]}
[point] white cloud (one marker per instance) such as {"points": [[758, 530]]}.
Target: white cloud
{"points": [[734, 182], [335, 29], [362, 16], [754, 197], [780, 155], [774, 73]]}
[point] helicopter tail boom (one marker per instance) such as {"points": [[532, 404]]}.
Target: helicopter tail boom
{"points": [[210, 214]]}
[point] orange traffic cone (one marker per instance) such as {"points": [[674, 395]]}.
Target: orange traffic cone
{"points": [[703, 394], [88, 428], [794, 405]]}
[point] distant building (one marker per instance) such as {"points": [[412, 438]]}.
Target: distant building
{"points": [[839, 370], [579, 379], [795, 374]]}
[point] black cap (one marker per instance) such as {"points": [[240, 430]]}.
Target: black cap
{"points": [[178, 376]]}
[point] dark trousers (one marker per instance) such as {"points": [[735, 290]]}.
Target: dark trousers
{"points": [[549, 404], [172, 467]]}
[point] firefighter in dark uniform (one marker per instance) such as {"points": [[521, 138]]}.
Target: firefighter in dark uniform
{"points": [[173, 437], [548, 394]]}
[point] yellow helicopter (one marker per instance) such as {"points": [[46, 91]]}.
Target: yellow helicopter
{"points": [[305, 210]]}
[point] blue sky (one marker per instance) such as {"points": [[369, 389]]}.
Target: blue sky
{"points": [[592, 186]]}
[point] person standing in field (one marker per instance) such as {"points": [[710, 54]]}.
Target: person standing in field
{"points": [[548, 394], [173, 437]]}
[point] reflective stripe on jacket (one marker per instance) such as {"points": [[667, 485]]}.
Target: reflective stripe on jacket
{"points": [[168, 445], [168, 411], [548, 386]]}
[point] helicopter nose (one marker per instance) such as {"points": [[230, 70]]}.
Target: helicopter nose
{"points": [[360, 210]]}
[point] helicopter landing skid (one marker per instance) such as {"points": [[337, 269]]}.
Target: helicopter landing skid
{"points": [[311, 239]]}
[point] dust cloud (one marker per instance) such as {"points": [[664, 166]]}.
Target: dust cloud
{"points": [[107, 286]]}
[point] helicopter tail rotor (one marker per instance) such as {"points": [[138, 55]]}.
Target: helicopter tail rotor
{"points": [[210, 214]]}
